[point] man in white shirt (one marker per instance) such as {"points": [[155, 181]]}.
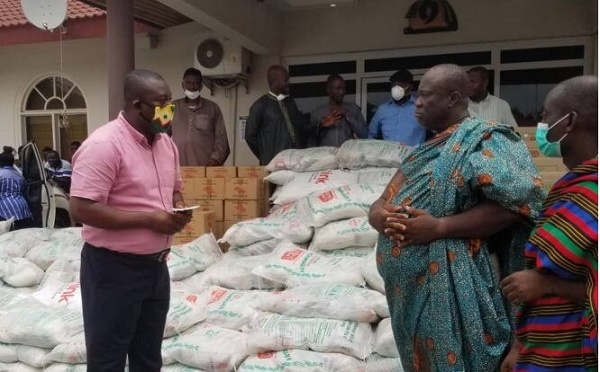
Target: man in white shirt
{"points": [[484, 105]]}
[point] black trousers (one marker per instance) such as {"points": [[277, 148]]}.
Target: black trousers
{"points": [[125, 304]]}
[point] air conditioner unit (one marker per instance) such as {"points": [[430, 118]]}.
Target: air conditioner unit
{"points": [[221, 58]]}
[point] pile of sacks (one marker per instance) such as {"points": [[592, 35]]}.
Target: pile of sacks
{"points": [[297, 291]]}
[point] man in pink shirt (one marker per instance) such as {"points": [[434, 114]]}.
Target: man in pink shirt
{"points": [[125, 184]]}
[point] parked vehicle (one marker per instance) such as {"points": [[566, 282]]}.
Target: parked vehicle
{"points": [[49, 204]]}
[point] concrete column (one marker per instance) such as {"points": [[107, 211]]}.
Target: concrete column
{"points": [[120, 50]]}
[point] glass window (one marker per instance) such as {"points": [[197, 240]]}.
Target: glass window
{"points": [[526, 90], [35, 101]]}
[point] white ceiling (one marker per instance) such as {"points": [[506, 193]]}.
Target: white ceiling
{"points": [[290, 5]]}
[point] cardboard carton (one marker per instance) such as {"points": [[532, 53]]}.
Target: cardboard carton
{"points": [[209, 188], [240, 210], [252, 172], [189, 188], [243, 189], [193, 172], [215, 206], [221, 172]]}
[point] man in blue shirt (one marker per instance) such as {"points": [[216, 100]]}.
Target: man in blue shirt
{"points": [[13, 203], [395, 120]]}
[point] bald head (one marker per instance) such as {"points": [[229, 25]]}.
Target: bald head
{"points": [[579, 95], [278, 79], [138, 82], [442, 97], [451, 78]]}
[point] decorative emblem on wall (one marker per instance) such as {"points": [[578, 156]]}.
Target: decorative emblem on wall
{"points": [[431, 16]]}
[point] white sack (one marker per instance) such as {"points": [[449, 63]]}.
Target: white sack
{"points": [[342, 203], [371, 274], [184, 312], [304, 184], [385, 345], [207, 347], [378, 363], [362, 153], [330, 301], [295, 360], [273, 332], [305, 160], [234, 309], [293, 266], [249, 232], [355, 232]]}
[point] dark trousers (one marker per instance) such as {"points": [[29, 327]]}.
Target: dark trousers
{"points": [[125, 304]]}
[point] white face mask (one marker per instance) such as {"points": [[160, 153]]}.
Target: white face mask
{"points": [[397, 92], [192, 95]]}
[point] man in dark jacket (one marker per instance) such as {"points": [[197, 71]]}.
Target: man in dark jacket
{"points": [[275, 123]]}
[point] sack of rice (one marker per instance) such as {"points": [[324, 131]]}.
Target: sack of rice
{"points": [[232, 272], [371, 274], [258, 248], [29, 322], [18, 367], [305, 160], [44, 254], [249, 232], [349, 252], [184, 312], [6, 225], [329, 301], [307, 183], [57, 294], [71, 352], [8, 353], [179, 368], [62, 271], [378, 363], [363, 153], [292, 266], [376, 176], [234, 309], [338, 204], [355, 232], [385, 345], [301, 360], [203, 251], [280, 177], [32, 356], [63, 367], [17, 243], [273, 332], [207, 347], [19, 272]]}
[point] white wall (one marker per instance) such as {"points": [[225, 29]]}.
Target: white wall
{"points": [[22, 65], [379, 25]]}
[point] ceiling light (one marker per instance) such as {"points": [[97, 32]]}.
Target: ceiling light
{"points": [[333, 5]]}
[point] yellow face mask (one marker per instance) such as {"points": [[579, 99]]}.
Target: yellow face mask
{"points": [[163, 116]]}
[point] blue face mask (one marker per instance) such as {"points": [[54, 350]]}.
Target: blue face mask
{"points": [[547, 148]]}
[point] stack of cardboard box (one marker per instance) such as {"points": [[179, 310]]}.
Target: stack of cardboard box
{"points": [[225, 196], [246, 197]]}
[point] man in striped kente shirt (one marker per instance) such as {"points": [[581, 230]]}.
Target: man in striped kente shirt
{"points": [[558, 294]]}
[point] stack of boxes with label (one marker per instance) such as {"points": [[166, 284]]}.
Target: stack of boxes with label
{"points": [[551, 169], [246, 197], [208, 194], [225, 195]]}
